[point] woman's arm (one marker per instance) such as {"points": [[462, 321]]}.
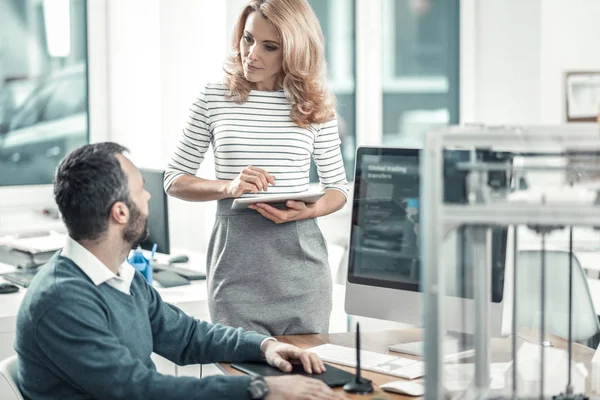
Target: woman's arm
{"points": [[192, 188], [327, 155], [193, 144], [180, 178], [332, 201]]}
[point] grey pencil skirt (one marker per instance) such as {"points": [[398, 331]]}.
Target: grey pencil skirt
{"points": [[267, 277]]}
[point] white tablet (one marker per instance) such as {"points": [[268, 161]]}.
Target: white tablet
{"points": [[307, 197]]}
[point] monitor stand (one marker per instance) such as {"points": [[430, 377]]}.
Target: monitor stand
{"points": [[456, 347]]}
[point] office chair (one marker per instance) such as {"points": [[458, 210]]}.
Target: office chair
{"points": [[585, 321], [9, 390]]}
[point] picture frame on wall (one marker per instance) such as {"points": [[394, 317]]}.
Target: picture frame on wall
{"points": [[582, 89]]}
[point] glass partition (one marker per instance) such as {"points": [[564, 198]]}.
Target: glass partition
{"points": [[420, 68]]}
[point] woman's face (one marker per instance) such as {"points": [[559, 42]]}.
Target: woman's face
{"points": [[261, 53]]}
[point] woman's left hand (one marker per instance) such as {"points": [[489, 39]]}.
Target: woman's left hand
{"points": [[296, 210]]}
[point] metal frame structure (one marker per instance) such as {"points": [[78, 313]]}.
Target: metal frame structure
{"points": [[479, 215]]}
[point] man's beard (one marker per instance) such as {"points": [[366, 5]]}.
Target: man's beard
{"points": [[137, 230]]}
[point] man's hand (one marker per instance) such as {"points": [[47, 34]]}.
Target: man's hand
{"points": [[282, 355], [297, 387], [296, 210]]}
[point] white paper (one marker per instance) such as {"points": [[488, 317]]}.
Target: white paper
{"points": [[38, 244]]}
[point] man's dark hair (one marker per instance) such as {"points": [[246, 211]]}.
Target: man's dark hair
{"points": [[87, 183]]}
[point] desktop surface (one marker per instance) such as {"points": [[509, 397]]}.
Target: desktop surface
{"points": [[379, 342], [21, 277], [371, 341], [333, 376]]}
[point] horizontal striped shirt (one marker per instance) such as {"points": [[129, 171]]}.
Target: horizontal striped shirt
{"points": [[260, 133]]}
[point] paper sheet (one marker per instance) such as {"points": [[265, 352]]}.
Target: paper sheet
{"points": [[34, 245]]}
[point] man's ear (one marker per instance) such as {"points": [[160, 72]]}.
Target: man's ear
{"points": [[119, 212]]}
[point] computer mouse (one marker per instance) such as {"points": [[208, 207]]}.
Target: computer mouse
{"points": [[404, 387], [178, 259], [6, 288]]}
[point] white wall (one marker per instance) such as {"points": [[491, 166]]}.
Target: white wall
{"points": [[160, 52], [514, 54], [193, 44], [134, 64], [570, 31], [500, 61]]}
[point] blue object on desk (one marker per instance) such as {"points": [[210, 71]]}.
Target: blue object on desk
{"points": [[142, 264], [412, 203]]}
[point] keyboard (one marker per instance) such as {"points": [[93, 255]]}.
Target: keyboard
{"points": [[185, 272], [22, 277], [370, 361]]}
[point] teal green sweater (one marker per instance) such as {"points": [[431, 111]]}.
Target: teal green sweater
{"points": [[76, 340]]}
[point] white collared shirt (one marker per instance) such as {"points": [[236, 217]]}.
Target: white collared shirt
{"points": [[96, 270]]}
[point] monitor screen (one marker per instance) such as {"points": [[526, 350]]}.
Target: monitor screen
{"points": [[158, 218], [384, 239]]}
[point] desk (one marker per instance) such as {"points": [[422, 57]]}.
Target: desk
{"points": [[379, 341]]}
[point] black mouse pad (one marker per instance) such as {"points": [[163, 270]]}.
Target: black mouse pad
{"points": [[333, 376], [169, 279]]}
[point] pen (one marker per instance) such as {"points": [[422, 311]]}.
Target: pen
{"points": [[153, 251]]}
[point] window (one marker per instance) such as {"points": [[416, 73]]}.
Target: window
{"points": [[420, 67], [43, 87], [29, 113], [337, 22], [68, 100]]}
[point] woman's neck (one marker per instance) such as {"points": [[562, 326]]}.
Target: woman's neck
{"points": [[266, 87]]}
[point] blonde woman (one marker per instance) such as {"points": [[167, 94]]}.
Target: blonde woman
{"points": [[267, 266]]}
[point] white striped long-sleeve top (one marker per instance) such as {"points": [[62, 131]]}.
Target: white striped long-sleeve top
{"points": [[260, 133]]}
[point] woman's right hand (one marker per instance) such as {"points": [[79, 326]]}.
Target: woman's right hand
{"points": [[250, 180]]}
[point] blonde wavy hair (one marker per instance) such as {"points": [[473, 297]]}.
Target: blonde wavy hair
{"points": [[303, 72]]}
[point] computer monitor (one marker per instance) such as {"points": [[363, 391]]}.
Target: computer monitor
{"points": [[158, 218], [384, 264]]}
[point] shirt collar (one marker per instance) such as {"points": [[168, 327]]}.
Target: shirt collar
{"points": [[94, 268]]}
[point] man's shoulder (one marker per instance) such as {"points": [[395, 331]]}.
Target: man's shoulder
{"points": [[59, 281]]}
